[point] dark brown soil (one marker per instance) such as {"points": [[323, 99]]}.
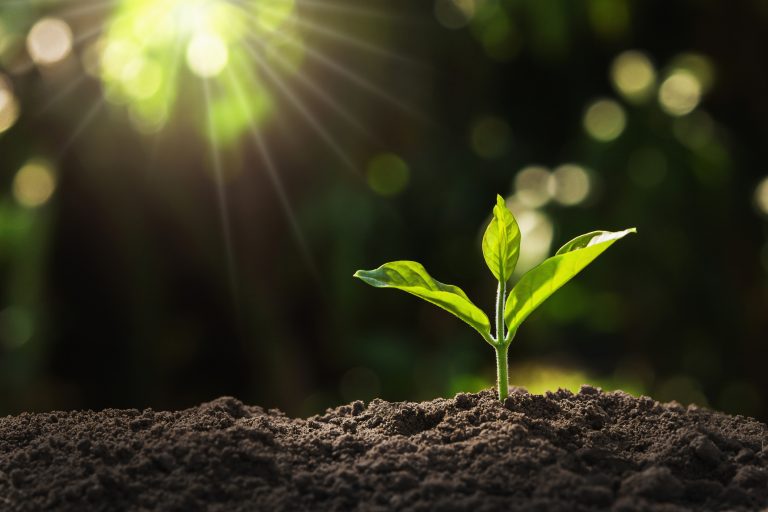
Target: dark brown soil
{"points": [[589, 451]]}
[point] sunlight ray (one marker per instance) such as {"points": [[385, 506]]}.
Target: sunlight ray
{"points": [[299, 105], [61, 94], [84, 10], [97, 29], [24, 68], [223, 203], [83, 36], [361, 82], [321, 93], [35, 3], [174, 64], [90, 114], [274, 177], [347, 39], [348, 9]]}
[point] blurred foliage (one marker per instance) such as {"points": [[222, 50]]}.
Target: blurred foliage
{"points": [[148, 265]]}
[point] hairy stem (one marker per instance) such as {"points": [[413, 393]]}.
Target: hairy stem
{"points": [[502, 377]]}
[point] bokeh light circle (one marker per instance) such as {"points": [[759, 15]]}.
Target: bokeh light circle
{"points": [[34, 184], [761, 196], [537, 231], [633, 75], [207, 55], [388, 174], [699, 66], [532, 186], [604, 120], [570, 184], [680, 93], [49, 41], [9, 106]]}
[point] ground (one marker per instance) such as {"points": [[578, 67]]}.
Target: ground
{"points": [[562, 451]]}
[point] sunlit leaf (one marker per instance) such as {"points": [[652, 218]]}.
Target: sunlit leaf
{"points": [[501, 242], [545, 279], [411, 277]]}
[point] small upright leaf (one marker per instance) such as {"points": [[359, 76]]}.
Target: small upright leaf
{"points": [[412, 277], [546, 278], [501, 242]]}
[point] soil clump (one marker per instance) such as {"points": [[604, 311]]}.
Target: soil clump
{"points": [[561, 451]]}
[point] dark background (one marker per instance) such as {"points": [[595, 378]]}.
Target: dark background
{"points": [[125, 290]]}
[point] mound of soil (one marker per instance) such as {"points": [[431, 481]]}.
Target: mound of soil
{"points": [[563, 451]]}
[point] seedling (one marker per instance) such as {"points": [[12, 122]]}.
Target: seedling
{"points": [[501, 248]]}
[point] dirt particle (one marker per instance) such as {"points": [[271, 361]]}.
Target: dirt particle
{"points": [[595, 416], [744, 455], [586, 389], [750, 476], [674, 405], [698, 491], [593, 495], [164, 461], [302, 479], [655, 483], [706, 450], [225, 406], [403, 480], [412, 419], [84, 446], [349, 426], [464, 401], [357, 407], [738, 497], [17, 477], [518, 390], [560, 394], [140, 424]]}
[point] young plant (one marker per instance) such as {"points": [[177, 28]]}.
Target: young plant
{"points": [[501, 248]]}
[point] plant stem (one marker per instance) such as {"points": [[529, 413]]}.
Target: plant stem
{"points": [[501, 345], [502, 377], [501, 291]]}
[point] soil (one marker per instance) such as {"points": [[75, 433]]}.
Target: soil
{"points": [[562, 451]]}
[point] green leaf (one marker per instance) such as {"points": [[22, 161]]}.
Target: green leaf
{"points": [[501, 242], [545, 279], [412, 277]]}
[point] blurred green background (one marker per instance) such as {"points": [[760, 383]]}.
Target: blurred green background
{"points": [[187, 188]]}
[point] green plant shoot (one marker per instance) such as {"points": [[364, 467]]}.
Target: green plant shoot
{"points": [[501, 248]]}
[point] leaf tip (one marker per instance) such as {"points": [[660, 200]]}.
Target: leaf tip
{"points": [[500, 201]]}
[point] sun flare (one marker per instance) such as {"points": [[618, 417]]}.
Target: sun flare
{"points": [[150, 49]]}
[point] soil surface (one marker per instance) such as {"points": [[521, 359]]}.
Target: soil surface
{"points": [[562, 451]]}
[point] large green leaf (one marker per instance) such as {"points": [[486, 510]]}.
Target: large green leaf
{"points": [[501, 242], [411, 277], [545, 279]]}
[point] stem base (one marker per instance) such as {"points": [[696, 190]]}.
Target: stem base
{"points": [[502, 377]]}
